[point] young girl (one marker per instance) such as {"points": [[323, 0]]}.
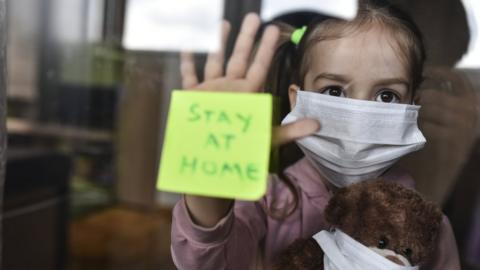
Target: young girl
{"points": [[338, 71]]}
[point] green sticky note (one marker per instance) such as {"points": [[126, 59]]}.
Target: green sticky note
{"points": [[217, 144]]}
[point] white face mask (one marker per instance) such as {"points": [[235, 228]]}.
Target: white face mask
{"points": [[358, 139], [341, 252]]}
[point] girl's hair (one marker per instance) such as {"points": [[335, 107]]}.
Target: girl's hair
{"points": [[291, 62]]}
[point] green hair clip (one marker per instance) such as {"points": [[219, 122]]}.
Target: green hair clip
{"points": [[298, 34]]}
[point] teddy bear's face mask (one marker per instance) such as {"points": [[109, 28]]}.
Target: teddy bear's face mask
{"points": [[343, 252], [401, 259]]}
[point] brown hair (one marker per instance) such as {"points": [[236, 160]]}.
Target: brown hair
{"points": [[291, 62]]}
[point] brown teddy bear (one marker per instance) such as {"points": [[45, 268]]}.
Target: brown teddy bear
{"points": [[389, 219]]}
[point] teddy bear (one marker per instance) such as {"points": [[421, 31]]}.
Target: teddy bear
{"points": [[384, 217]]}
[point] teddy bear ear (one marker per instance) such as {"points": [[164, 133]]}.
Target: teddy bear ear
{"points": [[338, 207], [347, 200], [436, 215], [432, 219]]}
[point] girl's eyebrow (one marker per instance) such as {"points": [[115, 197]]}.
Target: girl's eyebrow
{"points": [[332, 77], [392, 81], [345, 79]]}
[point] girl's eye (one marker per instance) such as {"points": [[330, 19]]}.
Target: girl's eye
{"points": [[387, 96], [382, 243], [336, 91]]}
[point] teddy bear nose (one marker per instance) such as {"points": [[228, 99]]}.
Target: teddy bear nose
{"points": [[395, 259]]}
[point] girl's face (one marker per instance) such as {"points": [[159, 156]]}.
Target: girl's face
{"points": [[363, 65]]}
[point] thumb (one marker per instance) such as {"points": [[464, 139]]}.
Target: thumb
{"points": [[293, 131]]}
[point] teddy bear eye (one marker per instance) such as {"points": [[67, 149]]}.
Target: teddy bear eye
{"points": [[407, 252], [382, 243]]}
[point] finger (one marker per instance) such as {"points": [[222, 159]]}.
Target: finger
{"points": [[237, 65], [429, 96], [460, 104], [432, 97], [433, 131], [448, 80], [263, 59], [293, 131], [187, 70], [214, 65], [439, 116]]}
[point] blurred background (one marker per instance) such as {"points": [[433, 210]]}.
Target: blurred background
{"points": [[85, 125]]}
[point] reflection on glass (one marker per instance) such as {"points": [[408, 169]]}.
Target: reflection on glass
{"points": [[86, 120]]}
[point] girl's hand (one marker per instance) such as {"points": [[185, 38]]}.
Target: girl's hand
{"points": [[449, 119], [243, 76], [240, 75]]}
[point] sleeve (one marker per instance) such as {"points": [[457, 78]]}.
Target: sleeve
{"points": [[445, 257], [233, 243]]}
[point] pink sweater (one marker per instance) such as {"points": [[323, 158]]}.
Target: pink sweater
{"points": [[247, 238]]}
